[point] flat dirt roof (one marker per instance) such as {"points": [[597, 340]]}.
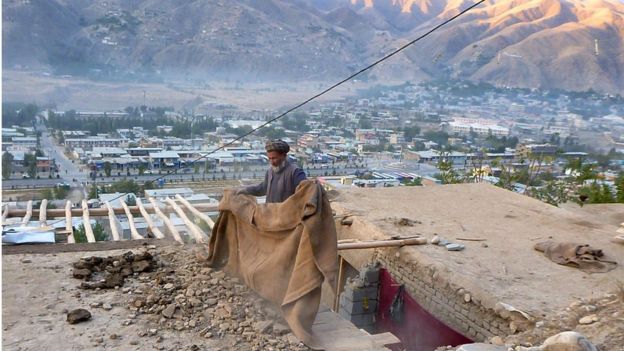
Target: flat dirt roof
{"points": [[508, 270]]}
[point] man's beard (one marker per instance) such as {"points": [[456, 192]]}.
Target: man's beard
{"points": [[280, 167]]}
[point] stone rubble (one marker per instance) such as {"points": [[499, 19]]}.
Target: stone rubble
{"points": [[172, 291]]}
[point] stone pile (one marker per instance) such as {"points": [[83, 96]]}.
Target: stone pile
{"points": [[179, 294]]}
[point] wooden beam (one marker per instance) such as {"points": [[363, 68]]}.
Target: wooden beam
{"points": [[113, 222], [28, 213], [86, 222], [69, 226], [42, 212], [196, 212], [174, 232], [103, 212], [148, 219], [195, 231], [5, 213], [134, 233], [381, 243]]}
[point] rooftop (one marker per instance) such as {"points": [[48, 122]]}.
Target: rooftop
{"points": [[508, 270]]}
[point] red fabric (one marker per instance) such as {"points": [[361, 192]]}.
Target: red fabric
{"points": [[419, 331]]}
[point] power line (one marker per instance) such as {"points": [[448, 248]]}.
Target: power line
{"points": [[370, 66]]}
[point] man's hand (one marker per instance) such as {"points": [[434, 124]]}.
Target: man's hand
{"points": [[240, 191]]}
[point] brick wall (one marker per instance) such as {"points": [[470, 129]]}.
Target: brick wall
{"points": [[453, 306]]}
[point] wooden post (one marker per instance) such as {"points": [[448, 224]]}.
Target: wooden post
{"points": [[167, 221], [148, 219], [339, 282], [195, 231], [42, 212], [112, 220], [28, 214], [5, 213], [195, 211], [69, 226], [86, 222], [134, 233]]}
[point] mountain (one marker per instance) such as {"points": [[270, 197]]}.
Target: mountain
{"points": [[567, 44]]}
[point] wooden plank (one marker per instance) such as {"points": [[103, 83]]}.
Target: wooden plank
{"points": [[148, 219], [384, 339], [42, 212], [113, 222], [195, 231], [134, 233], [5, 213], [69, 226], [103, 212], [86, 221], [174, 232], [381, 243], [339, 282], [196, 212], [28, 213]]}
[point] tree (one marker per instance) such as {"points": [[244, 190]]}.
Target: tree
{"points": [[93, 192], [30, 162], [142, 169], [7, 165], [80, 234], [448, 175], [619, 186], [108, 168], [411, 132]]}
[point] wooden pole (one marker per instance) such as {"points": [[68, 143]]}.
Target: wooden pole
{"points": [[42, 212], [172, 229], [86, 222], [28, 213], [134, 233], [112, 220], [69, 226], [148, 219], [195, 231], [381, 243], [196, 212], [103, 212], [5, 213]]}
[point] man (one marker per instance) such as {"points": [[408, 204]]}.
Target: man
{"points": [[281, 179]]}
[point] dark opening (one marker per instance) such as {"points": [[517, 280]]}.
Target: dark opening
{"points": [[416, 328]]}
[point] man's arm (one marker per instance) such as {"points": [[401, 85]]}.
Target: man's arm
{"points": [[298, 176], [256, 190]]}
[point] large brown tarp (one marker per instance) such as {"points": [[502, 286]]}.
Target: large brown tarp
{"points": [[283, 251]]}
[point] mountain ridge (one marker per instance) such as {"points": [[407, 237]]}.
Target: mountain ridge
{"points": [[566, 44]]}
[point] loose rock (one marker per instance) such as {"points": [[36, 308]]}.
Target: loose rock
{"points": [[78, 315]]}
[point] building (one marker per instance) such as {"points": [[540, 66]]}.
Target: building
{"points": [[90, 142], [164, 159], [463, 128], [523, 151]]}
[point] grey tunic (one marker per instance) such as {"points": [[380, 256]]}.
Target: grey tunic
{"points": [[278, 186]]}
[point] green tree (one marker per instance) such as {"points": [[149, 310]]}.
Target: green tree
{"points": [[80, 234], [30, 162], [61, 192], [125, 186], [7, 165], [108, 168], [619, 188], [142, 169], [93, 192], [448, 174], [411, 132]]}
